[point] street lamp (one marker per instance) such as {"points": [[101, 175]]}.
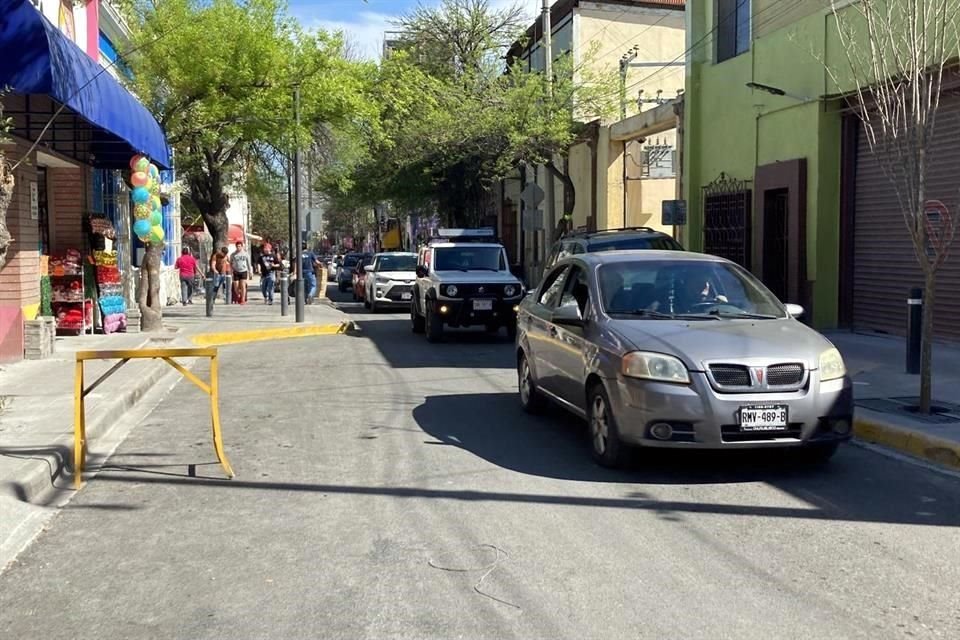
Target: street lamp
{"points": [[775, 91]]}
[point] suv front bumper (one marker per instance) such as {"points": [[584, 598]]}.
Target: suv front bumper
{"points": [[465, 313]]}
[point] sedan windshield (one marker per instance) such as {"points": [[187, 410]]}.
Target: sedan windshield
{"points": [[469, 258], [397, 263], [656, 289]]}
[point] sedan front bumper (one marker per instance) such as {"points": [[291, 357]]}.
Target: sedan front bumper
{"points": [[703, 418]]}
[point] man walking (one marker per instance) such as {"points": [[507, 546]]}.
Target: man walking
{"points": [[220, 265], [240, 265], [269, 265], [187, 265], [308, 264]]}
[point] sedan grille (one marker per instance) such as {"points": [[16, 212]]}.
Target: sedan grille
{"points": [[730, 375], [784, 375]]}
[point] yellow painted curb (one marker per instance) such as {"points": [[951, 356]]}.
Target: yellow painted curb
{"points": [[920, 445], [259, 335]]}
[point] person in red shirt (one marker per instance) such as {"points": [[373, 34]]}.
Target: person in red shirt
{"points": [[186, 264]]}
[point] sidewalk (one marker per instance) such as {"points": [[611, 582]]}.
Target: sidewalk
{"points": [[884, 395], [37, 397]]}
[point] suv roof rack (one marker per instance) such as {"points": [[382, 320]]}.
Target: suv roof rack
{"points": [[484, 234], [584, 232]]}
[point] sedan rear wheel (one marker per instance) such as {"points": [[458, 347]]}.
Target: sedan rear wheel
{"points": [[605, 444], [531, 399]]}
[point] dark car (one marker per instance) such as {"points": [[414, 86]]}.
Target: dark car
{"points": [[631, 238], [346, 269]]}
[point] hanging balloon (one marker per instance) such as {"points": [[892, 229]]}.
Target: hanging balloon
{"points": [[154, 172], [142, 228], [153, 186], [140, 195], [141, 211], [156, 217], [156, 234], [143, 165], [135, 162], [155, 202], [139, 179]]}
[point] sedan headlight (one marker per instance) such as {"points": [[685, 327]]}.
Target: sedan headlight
{"points": [[511, 290], [654, 366], [831, 365], [451, 291]]}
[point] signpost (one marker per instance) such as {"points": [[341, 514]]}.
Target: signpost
{"points": [[532, 195]]}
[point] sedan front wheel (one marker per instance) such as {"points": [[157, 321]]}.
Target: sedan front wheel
{"points": [[605, 443]]}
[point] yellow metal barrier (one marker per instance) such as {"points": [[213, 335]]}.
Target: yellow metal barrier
{"points": [[167, 355]]}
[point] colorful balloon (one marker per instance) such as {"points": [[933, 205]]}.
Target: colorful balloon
{"points": [[140, 195], [153, 187], [156, 234], [142, 228], [156, 217], [141, 211], [155, 202], [135, 161], [154, 172], [139, 179], [143, 165]]}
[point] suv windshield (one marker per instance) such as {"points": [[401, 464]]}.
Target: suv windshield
{"points": [[467, 258], [665, 243], [397, 263], [659, 288]]}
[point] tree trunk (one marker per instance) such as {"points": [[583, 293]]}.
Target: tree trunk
{"points": [[6, 196], [565, 223], [926, 341], [209, 198], [219, 227], [148, 293]]}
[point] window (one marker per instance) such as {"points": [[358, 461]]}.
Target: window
{"points": [[396, 263], [552, 286], [469, 258], [577, 291], [733, 28]]}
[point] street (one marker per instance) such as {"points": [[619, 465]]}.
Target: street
{"points": [[388, 488]]}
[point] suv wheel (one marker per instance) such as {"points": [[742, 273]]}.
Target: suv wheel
{"points": [[605, 444], [416, 320], [531, 399], [434, 323]]}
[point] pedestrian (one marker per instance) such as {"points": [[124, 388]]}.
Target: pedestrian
{"points": [[240, 266], [308, 264], [269, 265], [187, 265], [220, 266]]}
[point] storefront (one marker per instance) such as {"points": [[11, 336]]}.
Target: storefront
{"points": [[75, 129], [880, 265]]}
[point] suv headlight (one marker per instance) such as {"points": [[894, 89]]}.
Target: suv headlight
{"points": [[382, 280], [511, 290], [654, 366], [451, 291], [831, 365]]}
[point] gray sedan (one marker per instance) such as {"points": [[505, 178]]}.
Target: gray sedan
{"points": [[661, 349]]}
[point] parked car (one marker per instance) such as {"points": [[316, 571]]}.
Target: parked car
{"points": [[332, 265], [635, 238], [390, 279], [683, 350], [345, 270], [359, 277]]}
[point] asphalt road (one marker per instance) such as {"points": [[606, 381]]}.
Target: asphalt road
{"points": [[388, 488]]}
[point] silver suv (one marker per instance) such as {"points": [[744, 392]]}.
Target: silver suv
{"points": [[463, 280]]}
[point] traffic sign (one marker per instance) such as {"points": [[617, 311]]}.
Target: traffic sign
{"points": [[532, 195], [674, 212]]}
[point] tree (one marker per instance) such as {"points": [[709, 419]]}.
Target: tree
{"points": [[897, 53], [220, 77], [6, 186]]}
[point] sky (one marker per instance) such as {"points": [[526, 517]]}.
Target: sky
{"points": [[364, 21]]}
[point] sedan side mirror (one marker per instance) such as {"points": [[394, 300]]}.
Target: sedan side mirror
{"points": [[421, 271], [794, 310], [568, 315], [368, 268]]}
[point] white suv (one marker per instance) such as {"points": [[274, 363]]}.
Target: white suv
{"points": [[463, 280]]}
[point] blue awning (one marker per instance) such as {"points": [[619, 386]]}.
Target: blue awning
{"points": [[37, 59]]}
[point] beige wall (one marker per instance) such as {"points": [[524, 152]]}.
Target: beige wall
{"points": [[605, 32], [581, 172]]}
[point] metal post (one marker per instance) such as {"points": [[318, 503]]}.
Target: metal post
{"points": [[291, 221], [228, 288], [298, 211], [914, 329], [284, 291], [208, 283]]}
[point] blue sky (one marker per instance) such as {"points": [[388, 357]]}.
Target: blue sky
{"points": [[365, 22]]}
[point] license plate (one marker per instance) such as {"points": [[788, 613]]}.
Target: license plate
{"points": [[406, 296], [483, 305], [763, 418]]}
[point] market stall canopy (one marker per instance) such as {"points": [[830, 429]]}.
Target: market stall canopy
{"points": [[40, 60], [236, 234]]}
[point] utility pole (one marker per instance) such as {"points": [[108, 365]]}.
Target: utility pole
{"points": [[546, 44], [625, 61], [298, 211]]}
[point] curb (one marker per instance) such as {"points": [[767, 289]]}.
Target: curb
{"points": [[917, 444], [40, 475], [258, 335]]}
